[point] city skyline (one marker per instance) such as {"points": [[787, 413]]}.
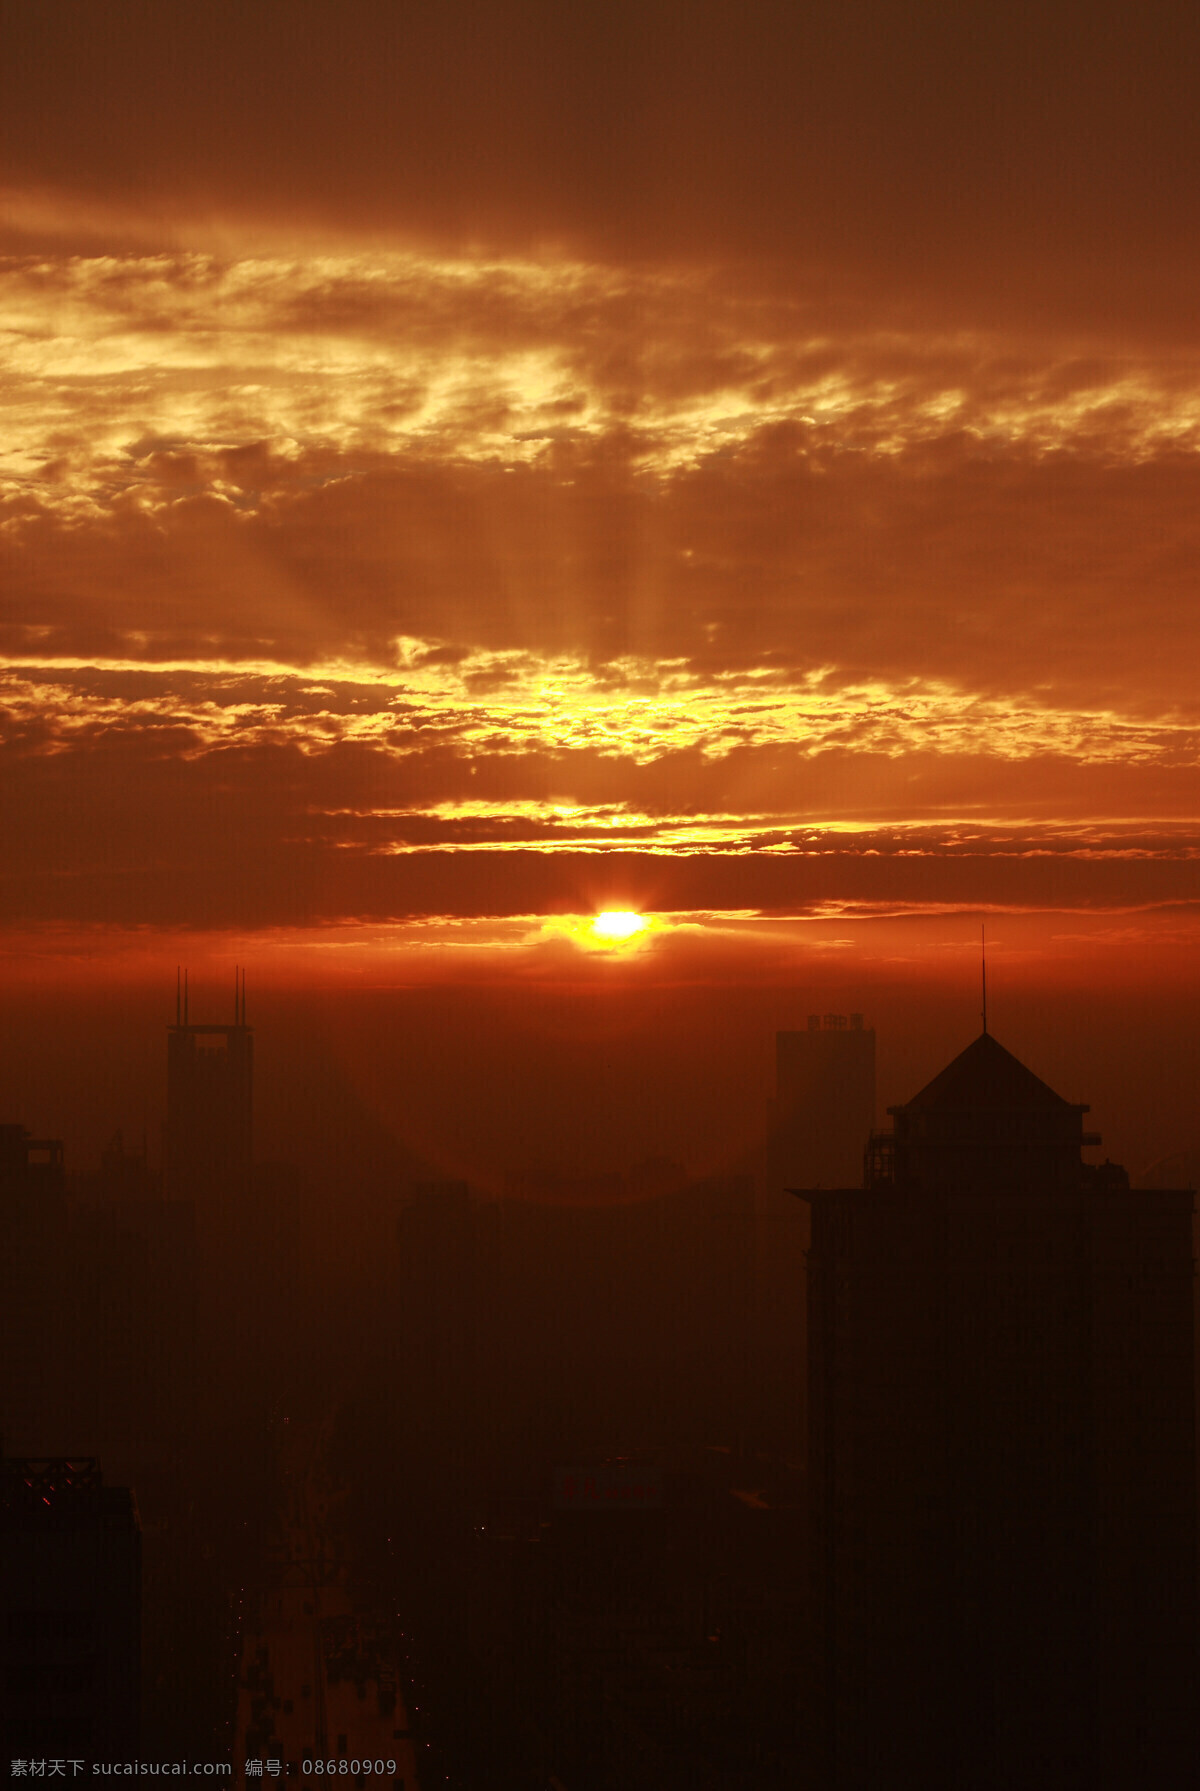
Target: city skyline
{"points": [[560, 567], [483, 1352], [492, 1079]]}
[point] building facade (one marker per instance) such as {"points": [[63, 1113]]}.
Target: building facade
{"points": [[1002, 1451], [70, 1610]]}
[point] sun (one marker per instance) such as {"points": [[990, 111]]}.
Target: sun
{"points": [[616, 924], [615, 932]]}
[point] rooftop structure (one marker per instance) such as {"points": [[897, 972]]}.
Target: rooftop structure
{"points": [[987, 1118]]}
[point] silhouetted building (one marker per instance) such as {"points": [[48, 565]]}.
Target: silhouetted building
{"points": [[1003, 1453], [621, 1320], [438, 1307], [209, 1106], [31, 1169], [818, 1125], [824, 1105], [126, 1175], [70, 1604], [135, 1324], [652, 1621], [35, 1295]]}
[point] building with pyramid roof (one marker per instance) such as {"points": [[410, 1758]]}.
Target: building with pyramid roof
{"points": [[986, 1118], [1002, 1453]]}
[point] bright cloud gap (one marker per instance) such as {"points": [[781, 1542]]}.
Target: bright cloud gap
{"points": [[634, 709]]}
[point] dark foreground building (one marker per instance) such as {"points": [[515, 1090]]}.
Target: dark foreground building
{"points": [[70, 1613], [1002, 1454]]}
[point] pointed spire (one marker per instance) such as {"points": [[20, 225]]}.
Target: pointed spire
{"points": [[983, 969]]}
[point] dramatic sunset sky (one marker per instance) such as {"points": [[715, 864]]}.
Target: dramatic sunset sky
{"points": [[466, 467]]}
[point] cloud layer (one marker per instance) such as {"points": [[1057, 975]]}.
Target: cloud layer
{"points": [[680, 454]]}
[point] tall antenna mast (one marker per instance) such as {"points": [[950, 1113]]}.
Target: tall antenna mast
{"points": [[178, 995], [983, 969], [185, 1000]]}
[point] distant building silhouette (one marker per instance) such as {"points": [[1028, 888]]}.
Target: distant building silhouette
{"points": [[31, 1169], [824, 1105], [1002, 1453], [70, 1612], [650, 1623], [126, 1175], [818, 1125], [438, 1298], [209, 1105], [135, 1302], [35, 1296], [246, 1214]]}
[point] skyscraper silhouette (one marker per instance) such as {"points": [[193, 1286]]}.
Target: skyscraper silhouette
{"points": [[818, 1125], [824, 1105], [209, 1104], [36, 1304], [1002, 1453]]}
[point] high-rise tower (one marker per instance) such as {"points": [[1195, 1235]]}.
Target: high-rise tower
{"points": [[818, 1125], [824, 1106], [209, 1102], [1002, 1453], [36, 1293]]}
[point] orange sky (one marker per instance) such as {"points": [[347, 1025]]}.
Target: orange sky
{"points": [[470, 464]]}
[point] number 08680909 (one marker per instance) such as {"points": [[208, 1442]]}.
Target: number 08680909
{"points": [[348, 1766]]}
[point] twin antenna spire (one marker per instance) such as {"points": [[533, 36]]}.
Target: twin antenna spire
{"points": [[239, 996]]}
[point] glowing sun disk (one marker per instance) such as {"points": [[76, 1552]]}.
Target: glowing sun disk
{"points": [[617, 923]]}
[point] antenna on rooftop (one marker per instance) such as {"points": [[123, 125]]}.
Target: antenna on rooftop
{"points": [[178, 995], [185, 1000], [983, 968]]}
